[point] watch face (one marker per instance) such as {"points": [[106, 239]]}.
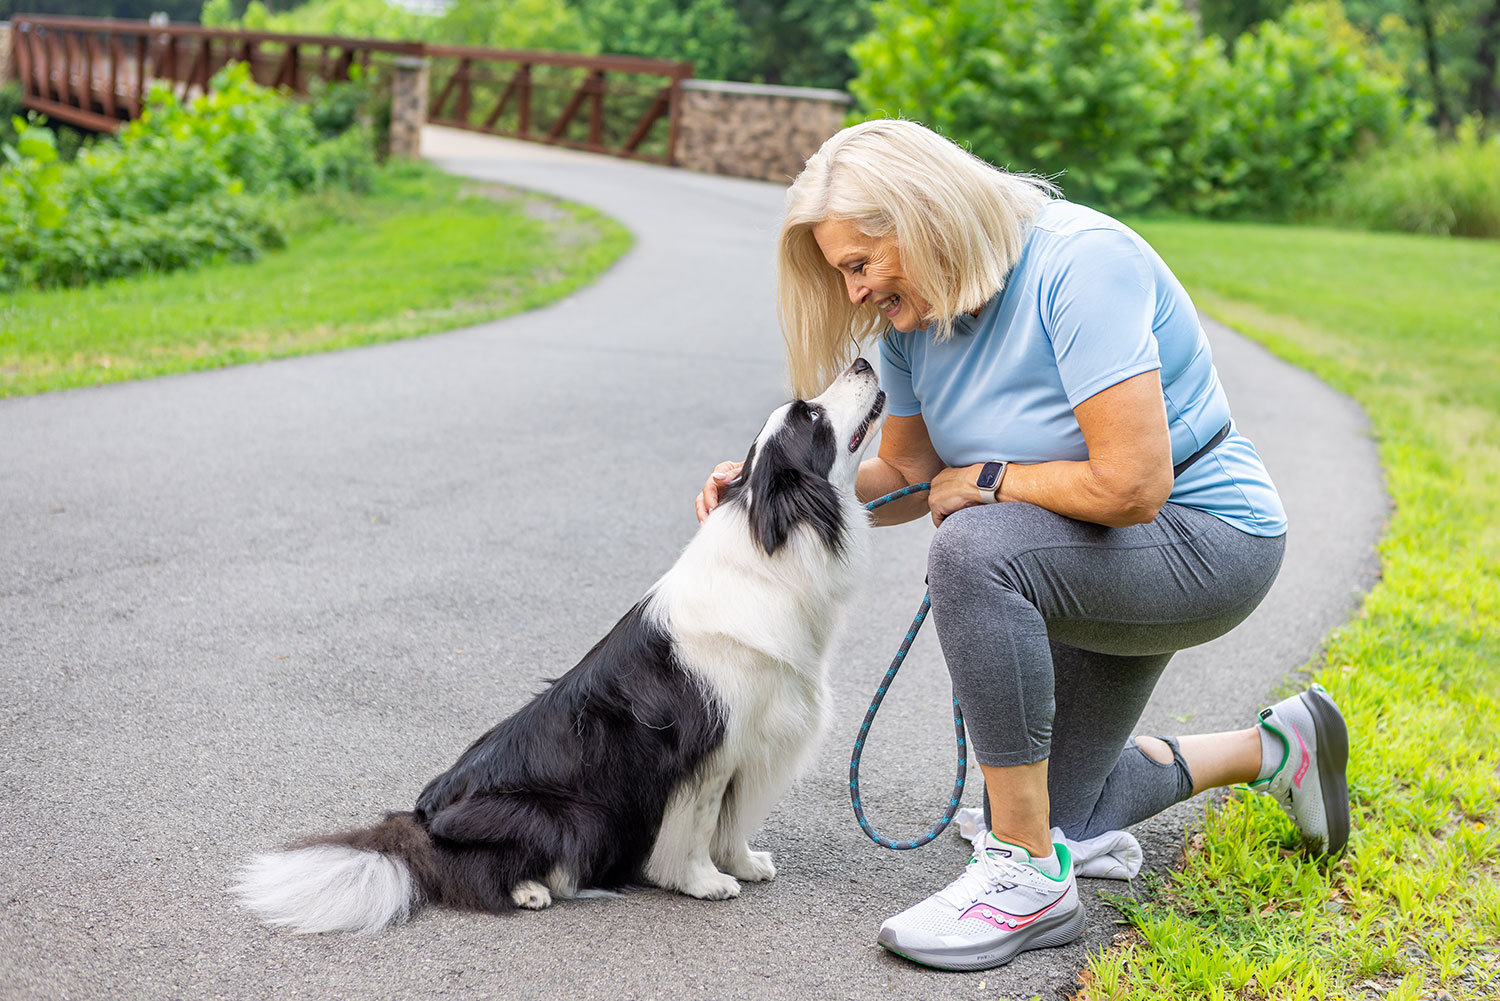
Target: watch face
{"points": [[988, 475]]}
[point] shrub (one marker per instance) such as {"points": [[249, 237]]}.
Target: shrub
{"points": [[1133, 109], [183, 184], [1091, 88], [1445, 189], [1272, 128]]}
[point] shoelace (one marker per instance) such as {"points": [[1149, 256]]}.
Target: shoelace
{"points": [[995, 873]]}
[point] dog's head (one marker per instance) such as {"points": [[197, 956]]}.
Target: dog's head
{"points": [[800, 471]]}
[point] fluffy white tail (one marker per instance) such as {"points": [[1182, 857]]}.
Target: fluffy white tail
{"points": [[327, 888]]}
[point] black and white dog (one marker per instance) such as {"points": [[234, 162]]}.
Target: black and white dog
{"points": [[657, 756]]}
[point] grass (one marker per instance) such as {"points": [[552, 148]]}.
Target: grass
{"points": [[1410, 327], [424, 252]]}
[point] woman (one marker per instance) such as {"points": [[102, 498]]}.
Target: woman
{"points": [[1097, 510]]}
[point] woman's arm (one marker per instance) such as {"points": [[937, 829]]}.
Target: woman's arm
{"points": [[1125, 480]]}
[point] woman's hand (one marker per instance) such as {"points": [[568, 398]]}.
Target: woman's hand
{"points": [[722, 474], [953, 490]]}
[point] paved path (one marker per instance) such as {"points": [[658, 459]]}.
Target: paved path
{"points": [[244, 605]]}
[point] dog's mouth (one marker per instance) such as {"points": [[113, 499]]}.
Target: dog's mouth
{"points": [[858, 437]]}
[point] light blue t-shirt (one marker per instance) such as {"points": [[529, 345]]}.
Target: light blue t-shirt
{"points": [[1088, 305]]}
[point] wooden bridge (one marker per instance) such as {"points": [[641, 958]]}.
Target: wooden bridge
{"points": [[96, 73]]}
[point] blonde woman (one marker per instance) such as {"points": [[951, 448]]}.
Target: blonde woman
{"points": [[1097, 510]]}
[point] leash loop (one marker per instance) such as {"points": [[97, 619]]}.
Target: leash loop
{"points": [[864, 730]]}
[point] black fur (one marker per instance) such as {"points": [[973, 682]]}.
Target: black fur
{"points": [[785, 481], [578, 778]]}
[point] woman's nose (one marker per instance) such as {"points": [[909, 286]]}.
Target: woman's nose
{"points": [[857, 290]]}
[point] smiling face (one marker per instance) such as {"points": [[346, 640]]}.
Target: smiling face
{"points": [[873, 272]]}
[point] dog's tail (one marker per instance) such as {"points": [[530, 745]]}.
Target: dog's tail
{"points": [[359, 881]]}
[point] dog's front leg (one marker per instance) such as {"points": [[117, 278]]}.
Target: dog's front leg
{"points": [[680, 859], [731, 851]]}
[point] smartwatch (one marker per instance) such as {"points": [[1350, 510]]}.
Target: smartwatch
{"points": [[989, 481]]}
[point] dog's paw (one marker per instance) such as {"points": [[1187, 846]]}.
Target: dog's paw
{"points": [[753, 867], [712, 885], [531, 895]]}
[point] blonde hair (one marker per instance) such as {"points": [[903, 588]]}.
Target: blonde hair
{"points": [[959, 223]]}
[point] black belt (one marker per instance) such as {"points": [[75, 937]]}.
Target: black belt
{"points": [[1213, 443]]}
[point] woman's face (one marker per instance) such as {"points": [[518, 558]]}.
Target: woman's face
{"points": [[872, 272]]}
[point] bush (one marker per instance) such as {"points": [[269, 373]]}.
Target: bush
{"points": [[183, 184], [1272, 128], [1123, 99], [1447, 189], [1091, 88]]}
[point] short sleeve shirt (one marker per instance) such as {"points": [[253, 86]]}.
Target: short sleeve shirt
{"points": [[1089, 305]]}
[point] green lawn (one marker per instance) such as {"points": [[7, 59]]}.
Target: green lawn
{"points": [[1410, 327], [425, 252]]}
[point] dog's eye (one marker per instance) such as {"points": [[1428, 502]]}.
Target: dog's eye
{"points": [[813, 415]]}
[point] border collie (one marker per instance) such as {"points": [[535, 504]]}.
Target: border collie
{"points": [[659, 754]]}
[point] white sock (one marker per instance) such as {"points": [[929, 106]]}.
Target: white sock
{"points": [[1050, 866], [1272, 754]]}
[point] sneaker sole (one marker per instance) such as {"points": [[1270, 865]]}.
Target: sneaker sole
{"points": [[1044, 934], [1332, 738]]}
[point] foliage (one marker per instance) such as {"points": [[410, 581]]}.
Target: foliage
{"points": [[1229, 19], [1446, 50], [803, 43], [511, 24], [69, 140], [514, 24], [423, 252], [1405, 324], [1447, 188], [1269, 130], [1091, 88], [1127, 103], [706, 33], [184, 183]]}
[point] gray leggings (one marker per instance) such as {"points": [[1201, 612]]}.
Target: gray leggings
{"points": [[1056, 630]]}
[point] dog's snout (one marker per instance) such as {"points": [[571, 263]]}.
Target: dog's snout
{"points": [[860, 366]]}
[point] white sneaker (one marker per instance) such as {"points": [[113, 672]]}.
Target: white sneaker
{"points": [[1310, 784], [1000, 906]]}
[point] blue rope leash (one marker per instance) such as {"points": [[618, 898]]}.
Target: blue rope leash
{"points": [[864, 730]]}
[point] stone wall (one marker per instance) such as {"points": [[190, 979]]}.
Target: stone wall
{"points": [[754, 130]]}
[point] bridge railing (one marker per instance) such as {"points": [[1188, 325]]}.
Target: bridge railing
{"points": [[602, 104], [95, 73]]}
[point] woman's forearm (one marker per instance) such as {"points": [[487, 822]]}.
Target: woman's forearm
{"points": [[1087, 491], [878, 478]]}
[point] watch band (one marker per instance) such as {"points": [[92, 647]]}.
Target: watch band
{"points": [[990, 477]]}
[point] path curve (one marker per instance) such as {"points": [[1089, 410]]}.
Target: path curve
{"points": [[244, 605]]}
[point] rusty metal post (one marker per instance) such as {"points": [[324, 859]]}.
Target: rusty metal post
{"points": [[408, 105]]}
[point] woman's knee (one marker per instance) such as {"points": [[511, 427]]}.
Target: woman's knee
{"points": [[975, 544]]}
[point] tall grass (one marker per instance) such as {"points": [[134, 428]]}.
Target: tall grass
{"points": [[1443, 189]]}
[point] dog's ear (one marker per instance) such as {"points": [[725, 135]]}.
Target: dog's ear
{"points": [[783, 496]]}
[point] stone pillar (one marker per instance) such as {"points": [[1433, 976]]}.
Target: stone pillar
{"points": [[408, 105], [754, 130], [4, 53]]}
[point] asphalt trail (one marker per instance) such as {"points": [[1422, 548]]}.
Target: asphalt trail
{"points": [[241, 606]]}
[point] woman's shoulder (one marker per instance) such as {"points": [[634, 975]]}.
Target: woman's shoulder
{"points": [[1060, 218]]}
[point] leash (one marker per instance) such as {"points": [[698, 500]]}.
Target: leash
{"points": [[864, 730], [958, 716]]}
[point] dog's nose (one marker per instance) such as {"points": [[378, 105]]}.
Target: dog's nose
{"points": [[860, 366]]}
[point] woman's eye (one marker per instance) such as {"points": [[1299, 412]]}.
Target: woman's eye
{"points": [[858, 269]]}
